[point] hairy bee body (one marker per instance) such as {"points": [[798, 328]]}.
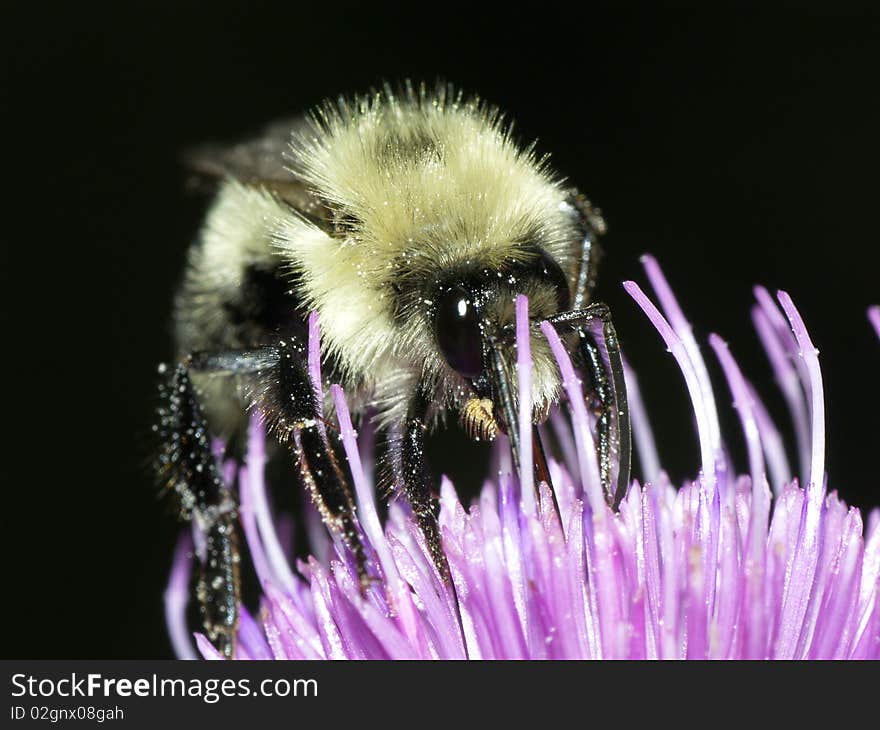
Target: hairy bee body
{"points": [[410, 224]]}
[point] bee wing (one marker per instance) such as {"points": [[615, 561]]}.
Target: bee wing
{"points": [[262, 161]]}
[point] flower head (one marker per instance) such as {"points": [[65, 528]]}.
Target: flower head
{"points": [[727, 566]]}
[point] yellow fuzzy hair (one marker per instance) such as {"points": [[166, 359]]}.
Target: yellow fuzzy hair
{"points": [[419, 183]]}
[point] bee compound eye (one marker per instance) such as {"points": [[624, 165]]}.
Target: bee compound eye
{"points": [[457, 327]]}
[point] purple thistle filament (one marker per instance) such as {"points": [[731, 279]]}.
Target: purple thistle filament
{"points": [[699, 572]]}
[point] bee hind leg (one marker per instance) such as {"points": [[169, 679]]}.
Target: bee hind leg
{"points": [[187, 467]]}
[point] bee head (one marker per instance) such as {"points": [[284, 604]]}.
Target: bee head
{"points": [[472, 313]]}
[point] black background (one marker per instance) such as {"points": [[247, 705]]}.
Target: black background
{"points": [[738, 147]]}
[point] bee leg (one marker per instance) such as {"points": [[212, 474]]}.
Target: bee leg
{"points": [[292, 410], [600, 349], [593, 227], [612, 426], [187, 467], [417, 482], [418, 488], [329, 490], [282, 390]]}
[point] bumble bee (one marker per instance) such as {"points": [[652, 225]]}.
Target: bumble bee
{"points": [[409, 222]]}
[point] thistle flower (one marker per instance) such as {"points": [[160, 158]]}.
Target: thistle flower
{"points": [[727, 566]]}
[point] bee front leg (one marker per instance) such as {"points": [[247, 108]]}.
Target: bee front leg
{"points": [[600, 350], [613, 425]]}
